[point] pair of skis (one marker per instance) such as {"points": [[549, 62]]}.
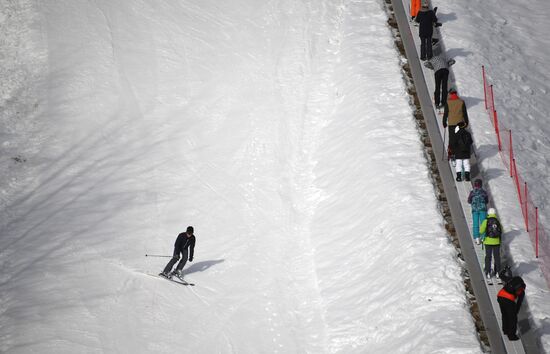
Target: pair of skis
{"points": [[173, 279]]}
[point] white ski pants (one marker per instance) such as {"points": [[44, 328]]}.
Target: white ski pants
{"points": [[463, 165]]}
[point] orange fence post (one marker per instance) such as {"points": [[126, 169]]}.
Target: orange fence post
{"points": [[516, 182], [497, 130], [511, 153], [484, 85], [526, 208], [492, 97]]}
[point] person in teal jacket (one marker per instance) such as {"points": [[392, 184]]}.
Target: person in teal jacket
{"points": [[491, 232], [478, 199]]}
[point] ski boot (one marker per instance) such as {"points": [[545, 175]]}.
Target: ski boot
{"points": [[459, 176], [178, 274], [467, 176], [165, 275]]}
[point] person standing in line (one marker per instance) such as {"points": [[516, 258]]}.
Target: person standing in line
{"points": [[491, 232], [510, 298], [462, 149], [454, 113], [426, 19], [440, 65], [478, 200], [415, 7], [184, 242]]}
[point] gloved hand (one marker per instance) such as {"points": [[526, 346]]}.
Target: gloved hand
{"points": [[438, 24], [191, 259], [444, 125]]}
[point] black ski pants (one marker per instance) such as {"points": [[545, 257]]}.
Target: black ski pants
{"points": [[492, 250], [441, 80], [174, 259], [426, 48], [509, 312]]}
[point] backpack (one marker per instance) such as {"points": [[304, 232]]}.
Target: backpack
{"points": [[514, 285], [493, 228], [478, 199]]}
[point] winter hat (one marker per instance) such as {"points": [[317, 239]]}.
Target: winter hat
{"points": [[190, 230], [478, 183], [491, 211], [452, 90], [425, 5]]}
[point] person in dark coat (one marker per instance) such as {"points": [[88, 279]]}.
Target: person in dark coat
{"points": [[510, 298], [184, 242], [426, 19], [462, 149]]}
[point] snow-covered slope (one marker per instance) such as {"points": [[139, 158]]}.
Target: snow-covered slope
{"points": [[280, 130]]}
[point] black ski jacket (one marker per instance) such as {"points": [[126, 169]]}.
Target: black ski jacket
{"points": [[463, 144], [426, 19], [183, 242]]}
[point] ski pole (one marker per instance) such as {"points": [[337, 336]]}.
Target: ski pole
{"points": [[157, 255], [444, 137]]}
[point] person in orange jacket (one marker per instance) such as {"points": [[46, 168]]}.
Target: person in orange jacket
{"points": [[510, 298], [415, 7]]}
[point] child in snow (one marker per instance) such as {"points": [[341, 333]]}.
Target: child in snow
{"points": [[478, 199]]}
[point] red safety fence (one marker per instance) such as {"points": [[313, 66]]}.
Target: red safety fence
{"points": [[537, 233]]}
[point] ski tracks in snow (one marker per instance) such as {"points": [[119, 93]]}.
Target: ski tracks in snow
{"points": [[309, 95]]}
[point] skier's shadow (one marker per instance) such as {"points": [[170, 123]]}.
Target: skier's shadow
{"points": [[202, 266]]}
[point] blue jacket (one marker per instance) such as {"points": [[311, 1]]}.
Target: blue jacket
{"points": [[478, 199]]}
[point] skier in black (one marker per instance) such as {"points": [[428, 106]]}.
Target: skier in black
{"points": [[185, 241], [426, 19], [510, 298]]}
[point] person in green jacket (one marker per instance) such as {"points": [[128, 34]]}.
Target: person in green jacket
{"points": [[491, 232]]}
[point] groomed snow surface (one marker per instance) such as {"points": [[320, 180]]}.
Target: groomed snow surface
{"points": [[281, 130]]}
